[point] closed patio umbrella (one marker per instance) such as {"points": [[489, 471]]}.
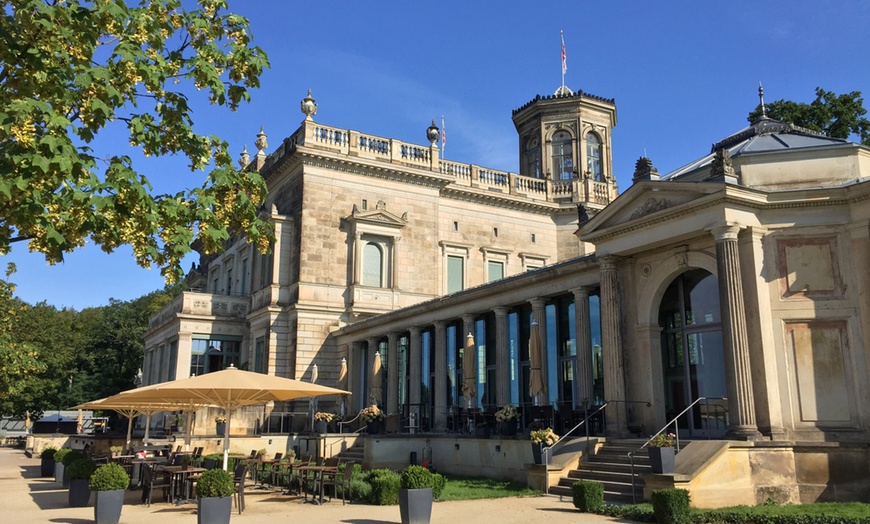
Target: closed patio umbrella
{"points": [[229, 389], [469, 378], [375, 395], [342, 384], [536, 359]]}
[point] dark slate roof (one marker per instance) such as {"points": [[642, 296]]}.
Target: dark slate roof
{"points": [[764, 135]]}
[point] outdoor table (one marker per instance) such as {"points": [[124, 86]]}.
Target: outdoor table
{"points": [[317, 473], [179, 477], [137, 463], [256, 464], [234, 459]]}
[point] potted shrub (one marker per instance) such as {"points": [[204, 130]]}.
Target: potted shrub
{"points": [[116, 450], [418, 488], [80, 472], [67, 459], [46, 467], [661, 453], [220, 425], [58, 465], [214, 492], [322, 420], [508, 418], [109, 482], [541, 438], [373, 417]]}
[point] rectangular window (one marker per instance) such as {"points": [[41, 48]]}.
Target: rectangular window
{"points": [[455, 274], [229, 281], [259, 355], [534, 238], [365, 204], [243, 285], [173, 359], [214, 354], [494, 271], [455, 226]]}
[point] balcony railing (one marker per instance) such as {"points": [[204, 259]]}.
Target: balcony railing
{"points": [[206, 304]]}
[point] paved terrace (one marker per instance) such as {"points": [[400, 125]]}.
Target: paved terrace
{"points": [[27, 498]]}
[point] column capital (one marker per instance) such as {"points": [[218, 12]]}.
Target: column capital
{"points": [[581, 293], [440, 325], [415, 331], [727, 231], [468, 318], [609, 262], [392, 337], [537, 302], [500, 311]]}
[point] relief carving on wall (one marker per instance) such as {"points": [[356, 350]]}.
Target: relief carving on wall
{"points": [[651, 205]]}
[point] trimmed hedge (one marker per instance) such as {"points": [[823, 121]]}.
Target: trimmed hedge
{"points": [[671, 506], [417, 477], [588, 496], [71, 457], [385, 487], [48, 453], [81, 469]]}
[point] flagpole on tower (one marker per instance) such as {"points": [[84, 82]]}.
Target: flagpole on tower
{"points": [[564, 58], [443, 137]]}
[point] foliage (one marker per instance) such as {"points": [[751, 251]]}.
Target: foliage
{"points": [[637, 512], [544, 436], [385, 487], [324, 416], [60, 454], [82, 468], [371, 413], [214, 483], [838, 116], [71, 456], [588, 496], [116, 449], [671, 505], [360, 489], [662, 440], [220, 419], [48, 453], [816, 513], [18, 360], [73, 70], [109, 477], [418, 477], [507, 413]]}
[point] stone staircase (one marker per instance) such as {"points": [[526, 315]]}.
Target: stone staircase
{"points": [[355, 453], [611, 466]]}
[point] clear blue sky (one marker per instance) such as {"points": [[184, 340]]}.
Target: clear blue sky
{"points": [[684, 75]]}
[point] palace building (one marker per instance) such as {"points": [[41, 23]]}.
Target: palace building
{"points": [[729, 296]]}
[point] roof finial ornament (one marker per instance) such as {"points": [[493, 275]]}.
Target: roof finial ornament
{"points": [[761, 100], [244, 158], [261, 142], [309, 106]]}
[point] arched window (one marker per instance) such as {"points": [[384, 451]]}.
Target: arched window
{"points": [[373, 265], [593, 156], [532, 158], [563, 156]]}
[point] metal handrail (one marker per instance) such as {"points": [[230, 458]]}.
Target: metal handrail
{"points": [[676, 435], [345, 422], [547, 451]]}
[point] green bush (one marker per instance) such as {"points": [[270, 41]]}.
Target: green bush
{"points": [[71, 457], [385, 487], [60, 454], [418, 477], [109, 477], [671, 506], [82, 468], [588, 496], [360, 489], [48, 453], [215, 483]]}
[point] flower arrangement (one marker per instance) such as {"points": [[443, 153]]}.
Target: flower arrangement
{"points": [[220, 420], [323, 416], [371, 413], [662, 440], [507, 413], [544, 436]]}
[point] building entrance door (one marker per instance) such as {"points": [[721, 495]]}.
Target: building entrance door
{"points": [[693, 355]]}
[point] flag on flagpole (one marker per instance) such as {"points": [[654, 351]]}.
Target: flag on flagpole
{"points": [[443, 136], [564, 55]]}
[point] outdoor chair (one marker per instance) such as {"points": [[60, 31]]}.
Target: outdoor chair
{"points": [[240, 475], [329, 479], [209, 464], [151, 481], [342, 481]]}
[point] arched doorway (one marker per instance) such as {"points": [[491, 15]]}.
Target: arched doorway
{"points": [[693, 362]]}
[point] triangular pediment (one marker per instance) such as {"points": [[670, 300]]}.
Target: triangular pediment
{"points": [[379, 217], [649, 200]]}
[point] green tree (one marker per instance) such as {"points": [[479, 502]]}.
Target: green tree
{"points": [[72, 69], [838, 116]]}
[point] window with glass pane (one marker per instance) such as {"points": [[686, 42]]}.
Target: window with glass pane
{"points": [[402, 372], [532, 156], [495, 271], [260, 355], [373, 265], [563, 156], [243, 284], [597, 353], [229, 281], [593, 156], [452, 370], [455, 274], [513, 352], [214, 354], [173, 359]]}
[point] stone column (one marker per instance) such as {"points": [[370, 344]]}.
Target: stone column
{"points": [[539, 315], [582, 329], [415, 370], [394, 264], [439, 395], [611, 342], [393, 377], [741, 404], [502, 357]]}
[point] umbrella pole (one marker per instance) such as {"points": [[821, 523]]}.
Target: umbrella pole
{"points": [[189, 417], [147, 428], [227, 438], [130, 418]]}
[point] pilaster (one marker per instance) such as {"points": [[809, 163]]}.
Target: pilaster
{"points": [[583, 331], [611, 345], [393, 377]]}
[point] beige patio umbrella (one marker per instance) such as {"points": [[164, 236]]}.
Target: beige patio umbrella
{"points": [[375, 395], [536, 359], [342, 384], [229, 389], [27, 422], [469, 378], [312, 404]]}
